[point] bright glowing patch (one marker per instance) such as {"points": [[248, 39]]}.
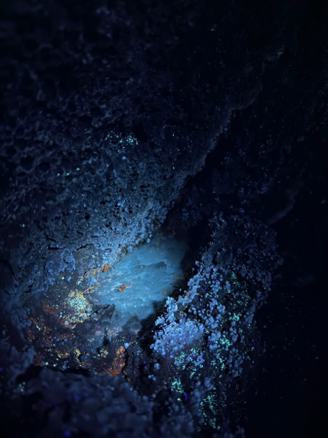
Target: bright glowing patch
{"points": [[142, 277]]}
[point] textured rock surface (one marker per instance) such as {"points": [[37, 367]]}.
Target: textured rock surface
{"points": [[119, 119]]}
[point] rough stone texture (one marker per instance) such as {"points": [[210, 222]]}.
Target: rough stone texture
{"points": [[121, 118]]}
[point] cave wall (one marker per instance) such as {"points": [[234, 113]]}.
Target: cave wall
{"points": [[118, 118]]}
